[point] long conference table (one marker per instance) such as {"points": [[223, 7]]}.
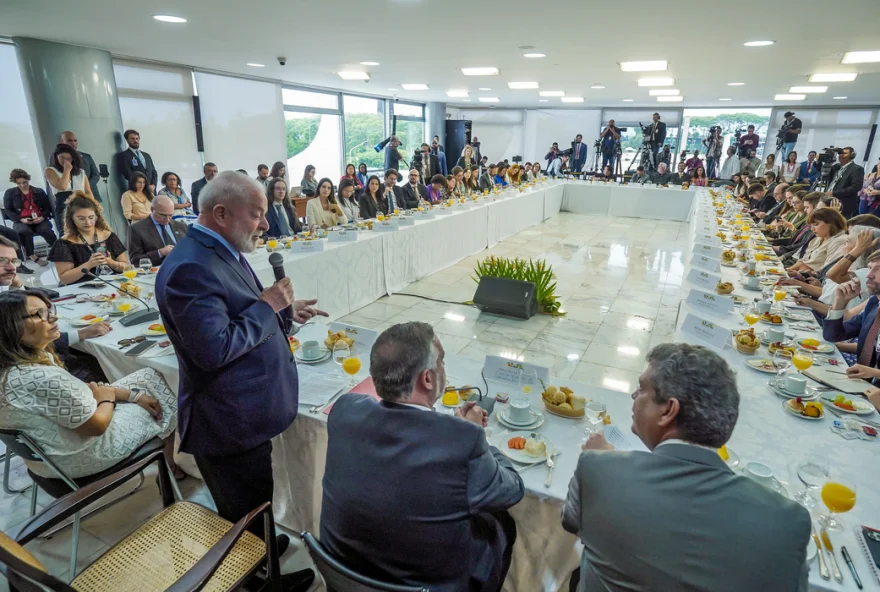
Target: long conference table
{"points": [[544, 555]]}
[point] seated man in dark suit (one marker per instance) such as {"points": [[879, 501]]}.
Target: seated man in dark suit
{"points": [[392, 495], [653, 520], [661, 176], [778, 203], [210, 171], [758, 196], [413, 193], [681, 176], [157, 234], [393, 194], [865, 326], [487, 179]]}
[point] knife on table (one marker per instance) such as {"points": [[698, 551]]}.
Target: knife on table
{"points": [[551, 464], [823, 569], [835, 569]]}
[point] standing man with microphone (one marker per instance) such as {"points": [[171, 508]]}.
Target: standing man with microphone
{"points": [[238, 378]]}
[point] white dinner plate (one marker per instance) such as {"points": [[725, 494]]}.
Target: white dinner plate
{"points": [[801, 415], [862, 407], [754, 364], [783, 392], [81, 323], [147, 332], [824, 347], [518, 455], [502, 419]]}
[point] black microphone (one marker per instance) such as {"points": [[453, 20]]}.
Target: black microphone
{"points": [[276, 260], [135, 318]]}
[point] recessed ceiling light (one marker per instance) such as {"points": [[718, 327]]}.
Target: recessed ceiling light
{"points": [[627, 100], [255, 65], [552, 93], [457, 94], [838, 98], [789, 97], [353, 75], [543, 100], [597, 87], [860, 57], [369, 63], [522, 85], [169, 19], [736, 84], [480, 71], [758, 43], [534, 55], [664, 92], [670, 99], [572, 99], [723, 99], [651, 66], [414, 86], [465, 100], [656, 81], [834, 77], [489, 100], [484, 88], [808, 89]]}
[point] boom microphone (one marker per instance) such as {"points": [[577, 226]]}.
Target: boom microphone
{"points": [[276, 260]]}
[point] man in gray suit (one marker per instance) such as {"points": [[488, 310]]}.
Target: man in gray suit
{"points": [[412, 496], [487, 179], [677, 518], [89, 166], [155, 236]]}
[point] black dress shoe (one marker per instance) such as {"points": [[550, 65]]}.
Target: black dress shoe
{"points": [[25, 270], [282, 541], [298, 581]]}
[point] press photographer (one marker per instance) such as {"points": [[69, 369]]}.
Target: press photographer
{"points": [[747, 142], [713, 146], [610, 143], [788, 134], [426, 163], [656, 135], [846, 181]]}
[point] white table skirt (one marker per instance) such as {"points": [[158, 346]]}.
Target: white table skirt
{"points": [[515, 214], [631, 201]]}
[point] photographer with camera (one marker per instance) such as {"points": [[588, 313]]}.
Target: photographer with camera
{"points": [[552, 155], [788, 133], [656, 135], [749, 143], [846, 181], [665, 156], [713, 146], [426, 163], [578, 154], [610, 139]]}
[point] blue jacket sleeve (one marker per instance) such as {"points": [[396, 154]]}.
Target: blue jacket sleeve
{"points": [[195, 301], [837, 330]]}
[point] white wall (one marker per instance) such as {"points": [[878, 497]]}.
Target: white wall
{"points": [[500, 132], [545, 126]]}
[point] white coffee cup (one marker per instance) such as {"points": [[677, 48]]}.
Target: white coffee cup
{"points": [[761, 473], [752, 281], [763, 305], [795, 384], [311, 350], [519, 411], [753, 265], [775, 335]]}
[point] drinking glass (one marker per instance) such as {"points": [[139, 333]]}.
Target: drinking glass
{"points": [[272, 243], [594, 411], [752, 316], [341, 352], [802, 359], [839, 496], [380, 217], [813, 473], [129, 272], [782, 362], [528, 378], [145, 264], [105, 270], [351, 366]]}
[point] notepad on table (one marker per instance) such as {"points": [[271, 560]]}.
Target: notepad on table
{"points": [[832, 377]]}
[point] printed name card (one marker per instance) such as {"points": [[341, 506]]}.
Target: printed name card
{"points": [[425, 215], [508, 371], [408, 221], [342, 236], [707, 331], [441, 211], [363, 338], [703, 279], [705, 263], [708, 250], [710, 302], [313, 246], [707, 239], [386, 226], [461, 206]]}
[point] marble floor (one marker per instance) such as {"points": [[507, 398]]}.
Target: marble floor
{"points": [[618, 280]]}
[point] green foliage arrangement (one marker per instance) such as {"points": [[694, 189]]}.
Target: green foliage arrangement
{"points": [[537, 272]]}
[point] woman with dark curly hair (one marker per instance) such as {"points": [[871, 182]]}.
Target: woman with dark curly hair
{"points": [[87, 243], [30, 210], [173, 188], [65, 175]]}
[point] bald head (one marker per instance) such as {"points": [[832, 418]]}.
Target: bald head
{"points": [[161, 209], [234, 206], [69, 138]]}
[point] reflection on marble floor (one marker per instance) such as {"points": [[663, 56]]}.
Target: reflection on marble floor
{"points": [[618, 280]]}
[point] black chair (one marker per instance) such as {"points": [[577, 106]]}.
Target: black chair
{"points": [[19, 443], [340, 578]]}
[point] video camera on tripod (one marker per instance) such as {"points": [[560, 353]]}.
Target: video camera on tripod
{"points": [[827, 159]]}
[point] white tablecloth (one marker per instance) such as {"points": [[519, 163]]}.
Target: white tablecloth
{"points": [[515, 214], [631, 201]]}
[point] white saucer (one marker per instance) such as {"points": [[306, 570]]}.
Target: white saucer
{"points": [[326, 355], [537, 422]]}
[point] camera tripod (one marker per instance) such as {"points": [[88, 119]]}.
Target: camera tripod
{"points": [[645, 158]]}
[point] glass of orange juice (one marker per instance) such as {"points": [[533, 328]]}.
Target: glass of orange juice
{"points": [[396, 211], [380, 217], [779, 295], [272, 243], [130, 272], [306, 232], [839, 496], [351, 366], [752, 316], [802, 359]]}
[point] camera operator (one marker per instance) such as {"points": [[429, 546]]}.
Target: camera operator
{"points": [[713, 150], [578, 154], [846, 182], [656, 135], [610, 136], [665, 156], [791, 127], [392, 154], [731, 166], [426, 163], [552, 155], [749, 143]]}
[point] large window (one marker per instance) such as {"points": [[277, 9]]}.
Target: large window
{"points": [[631, 137], [410, 126], [18, 148], [697, 123], [364, 128], [313, 129], [823, 128]]}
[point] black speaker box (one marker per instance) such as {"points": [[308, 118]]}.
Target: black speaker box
{"points": [[502, 296]]}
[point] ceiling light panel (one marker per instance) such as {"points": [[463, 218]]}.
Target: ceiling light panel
{"points": [[808, 89], [490, 100], [833, 77], [789, 97], [861, 57], [414, 86], [482, 71], [354, 75], [522, 85], [649, 66], [572, 99]]}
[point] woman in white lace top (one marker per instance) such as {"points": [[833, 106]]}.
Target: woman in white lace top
{"points": [[83, 428]]}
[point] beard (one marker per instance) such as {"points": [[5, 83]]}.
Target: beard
{"points": [[246, 242]]}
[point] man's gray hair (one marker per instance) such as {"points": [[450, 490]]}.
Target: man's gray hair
{"points": [[399, 355], [227, 188], [704, 386]]}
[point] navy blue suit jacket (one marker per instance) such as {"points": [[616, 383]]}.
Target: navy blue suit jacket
{"points": [[238, 380], [840, 330], [400, 506], [275, 223], [194, 191], [578, 162]]}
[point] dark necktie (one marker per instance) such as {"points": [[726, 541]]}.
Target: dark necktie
{"points": [[389, 197], [870, 341], [248, 268], [167, 237]]}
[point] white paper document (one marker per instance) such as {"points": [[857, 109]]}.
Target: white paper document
{"points": [[622, 441], [316, 387]]}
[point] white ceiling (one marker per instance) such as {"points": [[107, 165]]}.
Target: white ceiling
{"points": [[428, 41]]}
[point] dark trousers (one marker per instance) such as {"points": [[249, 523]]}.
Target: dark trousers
{"points": [[60, 198], [711, 163], [27, 231], [608, 159], [10, 234], [239, 482]]}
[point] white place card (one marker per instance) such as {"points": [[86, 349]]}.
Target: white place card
{"points": [[441, 211], [709, 332], [508, 371], [408, 221], [313, 246], [363, 338], [708, 239], [703, 279], [461, 206], [425, 215], [386, 226], [342, 236], [705, 263], [708, 250], [709, 302]]}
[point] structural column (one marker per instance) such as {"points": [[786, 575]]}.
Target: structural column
{"points": [[73, 88]]}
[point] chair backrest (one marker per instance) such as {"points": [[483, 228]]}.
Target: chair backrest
{"points": [[340, 578], [24, 571], [15, 440]]}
